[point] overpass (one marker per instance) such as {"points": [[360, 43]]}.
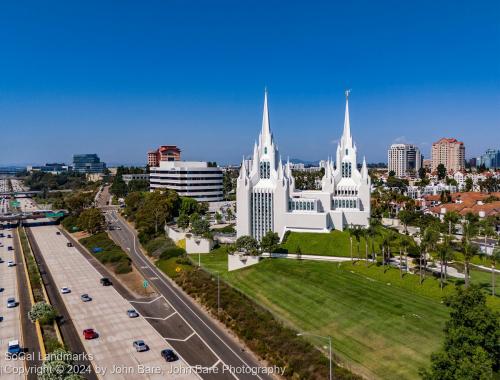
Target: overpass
{"points": [[29, 193], [37, 214]]}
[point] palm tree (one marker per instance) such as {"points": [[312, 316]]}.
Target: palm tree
{"points": [[385, 246], [430, 239], [443, 250], [370, 233], [350, 233], [405, 243], [469, 231], [494, 258]]}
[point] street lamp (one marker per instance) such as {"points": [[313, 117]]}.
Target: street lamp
{"points": [[329, 338]]}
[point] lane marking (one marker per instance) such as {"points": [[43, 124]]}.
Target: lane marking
{"points": [[162, 319], [156, 299], [183, 340]]}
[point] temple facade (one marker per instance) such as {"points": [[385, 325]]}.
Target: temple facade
{"points": [[268, 201]]}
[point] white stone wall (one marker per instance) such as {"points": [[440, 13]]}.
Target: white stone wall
{"points": [[240, 261]]}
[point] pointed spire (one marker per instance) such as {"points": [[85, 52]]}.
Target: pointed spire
{"points": [[280, 169], [243, 170], [346, 135], [364, 169], [266, 128]]}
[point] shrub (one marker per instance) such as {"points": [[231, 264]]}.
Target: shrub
{"points": [[42, 312], [172, 252], [69, 222], [123, 267]]}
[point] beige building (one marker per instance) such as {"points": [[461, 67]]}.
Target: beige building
{"points": [[449, 152]]}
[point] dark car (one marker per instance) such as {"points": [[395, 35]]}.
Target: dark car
{"points": [[169, 355], [9, 248], [58, 233], [106, 281], [85, 298], [68, 244]]}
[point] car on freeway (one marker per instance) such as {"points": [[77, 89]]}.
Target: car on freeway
{"points": [[132, 313], [58, 232], [106, 281], [9, 236], [13, 348], [11, 302], [69, 244], [10, 263], [85, 298], [169, 355], [9, 248], [89, 334], [65, 290], [1, 260], [140, 346], [1, 289]]}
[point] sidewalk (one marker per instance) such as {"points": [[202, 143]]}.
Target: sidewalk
{"points": [[295, 256]]}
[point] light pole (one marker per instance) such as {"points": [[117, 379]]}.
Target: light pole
{"points": [[329, 338]]}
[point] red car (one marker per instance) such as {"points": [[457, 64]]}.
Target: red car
{"points": [[89, 334]]}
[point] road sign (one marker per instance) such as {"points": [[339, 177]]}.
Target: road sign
{"points": [[15, 203], [54, 215], [145, 284], [178, 269]]}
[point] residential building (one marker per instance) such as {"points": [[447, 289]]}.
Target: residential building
{"points": [[427, 164], [88, 163], [449, 152], [135, 177], [268, 201], [490, 159], [163, 153], [193, 179], [404, 159]]}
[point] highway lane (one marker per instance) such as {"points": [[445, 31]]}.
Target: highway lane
{"points": [[229, 353], [106, 313], [10, 326]]}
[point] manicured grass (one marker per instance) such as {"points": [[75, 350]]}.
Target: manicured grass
{"points": [[383, 331], [483, 279], [171, 266], [335, 243]]}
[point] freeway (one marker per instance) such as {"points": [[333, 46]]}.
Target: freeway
{"points": [[190, 318]]}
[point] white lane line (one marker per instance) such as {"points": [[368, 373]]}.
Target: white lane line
{"points": [[216, 363], [156, 299], [182, 340], [162, 319], [187, 306]]}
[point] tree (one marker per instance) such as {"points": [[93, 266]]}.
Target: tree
{"points": [[450, 219], [421, 173], [118, 188], [444, 253], [470, 349], [183, 221], [469, 184], [188, 206], [91, 220], [269, 242], [43, 312], [58, 365], [392, 173], [469, 250], [78, 202], [441, 171], [429, 240], [247, 244], [200, 227], [405, 217], [495, 257], [218, 217], [157, 208], [138, 185]]}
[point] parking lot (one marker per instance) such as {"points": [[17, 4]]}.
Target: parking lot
{"points": [[10, 327], [106, 313]]}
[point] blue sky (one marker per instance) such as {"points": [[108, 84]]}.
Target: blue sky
{"points": [[120, 77]]}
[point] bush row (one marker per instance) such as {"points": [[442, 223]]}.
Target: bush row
{"points": [[110, 254]]}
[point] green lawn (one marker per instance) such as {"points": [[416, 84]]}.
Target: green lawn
{"points": [[379, 328], [335, 243]]}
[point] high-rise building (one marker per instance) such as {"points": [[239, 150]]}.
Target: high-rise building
{"points": [[163, 153], [449, 152], [404, 160], [88, 163], [268, 201], [490, 159]]}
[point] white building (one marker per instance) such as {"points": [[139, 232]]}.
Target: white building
{"points": [[193, 179], [268, 201], [135, 177], [404, 160]]}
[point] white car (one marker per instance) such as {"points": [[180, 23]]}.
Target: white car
{"points": [[11, 302], [65, 290], [11, 264]]}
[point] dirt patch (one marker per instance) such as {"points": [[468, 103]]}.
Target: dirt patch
{"points": [[134, 282], [80, 235]]}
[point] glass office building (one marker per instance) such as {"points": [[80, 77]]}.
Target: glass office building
{"points": [[88, 163]]}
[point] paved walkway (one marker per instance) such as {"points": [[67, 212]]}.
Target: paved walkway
{"points": [[295, 256]]}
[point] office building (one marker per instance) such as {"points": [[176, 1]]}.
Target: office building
{"points": [[88, 163], [490, 159], [135, 177], [193, 179], [404, 159], [268, 201], [449, 152]]}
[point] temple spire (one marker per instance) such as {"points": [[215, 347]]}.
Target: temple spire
{"points": [[346, 135], [266, 129]]}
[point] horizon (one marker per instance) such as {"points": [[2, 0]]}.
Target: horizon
{"points": [[166, 75]]}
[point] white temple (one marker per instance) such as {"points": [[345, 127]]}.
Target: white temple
{"points": [[268, 201]]}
